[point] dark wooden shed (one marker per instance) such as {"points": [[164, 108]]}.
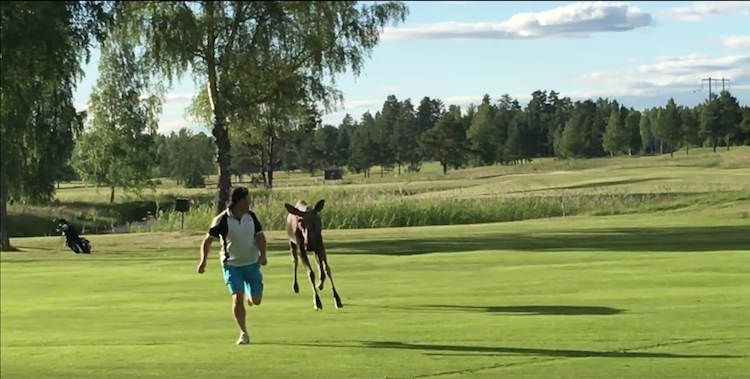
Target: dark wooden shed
{"points": [[333, 173]]}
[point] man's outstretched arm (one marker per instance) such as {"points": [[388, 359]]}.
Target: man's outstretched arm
{"points": [[260, 241], [205, 248], [217, 229]]}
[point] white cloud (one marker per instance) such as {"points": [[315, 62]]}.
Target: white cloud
{"points": [[171, 100], [353, 107], [700, 10], [643, 86], [736, 42], [679, 77], [578, 20], [179, 97], [354, 104], [166, 127]]}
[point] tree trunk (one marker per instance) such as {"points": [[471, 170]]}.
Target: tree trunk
{"points": [[270, 156], [111, 195], [4, 236], [687, 149], [223, 160], [445, 167], [264, 164], [216, 100]]}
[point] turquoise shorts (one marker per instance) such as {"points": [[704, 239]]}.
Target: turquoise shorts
{"points": [[246, 279]]}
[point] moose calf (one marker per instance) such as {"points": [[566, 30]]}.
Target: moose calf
{"points": [[305, 233]]}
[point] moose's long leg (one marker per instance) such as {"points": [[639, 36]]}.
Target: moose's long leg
{"points": [[321, 272], [293, 249], [336, 297], [317, 304]]}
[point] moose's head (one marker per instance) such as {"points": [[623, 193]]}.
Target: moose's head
{"points": [[308, 222]]}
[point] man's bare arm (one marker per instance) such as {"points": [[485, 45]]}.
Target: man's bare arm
{"points": [[260, 241], [205, 248]]}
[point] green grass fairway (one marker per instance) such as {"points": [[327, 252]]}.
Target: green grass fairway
{"points": [[627, 297]]}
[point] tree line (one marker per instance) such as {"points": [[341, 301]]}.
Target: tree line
{"points": [[401, 136]]}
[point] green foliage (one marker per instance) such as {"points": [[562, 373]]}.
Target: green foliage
{"points": [[670, 124], [43, 46], [482, 134], [575, 141], [615, 139], [254, 55], [446, 141], [711, 125], [731, 117], [690, 127], [633, 141], [119, 150], [186, 157]]}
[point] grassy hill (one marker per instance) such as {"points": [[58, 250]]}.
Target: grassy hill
{"points": [[596, 186]]}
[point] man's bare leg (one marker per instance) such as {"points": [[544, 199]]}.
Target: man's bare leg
{"points": [[254, 300], [238, 308]]}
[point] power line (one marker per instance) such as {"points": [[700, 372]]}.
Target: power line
{"points": [[725, 85]]}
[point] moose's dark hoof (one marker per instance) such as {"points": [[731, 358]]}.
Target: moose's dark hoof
{"points": [[320, 286], [318, 305], [337, 302], [295, 287]]}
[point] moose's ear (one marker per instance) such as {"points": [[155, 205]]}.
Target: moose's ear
{"points": [[319, 206], [291, 209]]}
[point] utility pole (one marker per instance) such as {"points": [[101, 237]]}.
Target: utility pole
{"points": [[725, 84]]}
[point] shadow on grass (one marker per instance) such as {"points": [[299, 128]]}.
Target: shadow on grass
{"points": [[525, 310], [673, 239], [594, 184], [489, 350], [546, 310]]}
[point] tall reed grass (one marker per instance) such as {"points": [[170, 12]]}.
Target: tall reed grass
{"points": [[382, 211]]}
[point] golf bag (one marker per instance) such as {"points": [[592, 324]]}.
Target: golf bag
{"points": [[79, 246], [75, 242]]}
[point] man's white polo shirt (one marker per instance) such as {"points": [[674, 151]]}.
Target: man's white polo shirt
{"points": [[238, 247]]}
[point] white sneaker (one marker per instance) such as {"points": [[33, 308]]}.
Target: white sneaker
{"points": [[243, 340]]}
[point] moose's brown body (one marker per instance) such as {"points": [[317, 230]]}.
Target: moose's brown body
{"points": [[305, 233]]}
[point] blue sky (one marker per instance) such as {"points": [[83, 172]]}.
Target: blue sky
{"points": [[640, 53]]}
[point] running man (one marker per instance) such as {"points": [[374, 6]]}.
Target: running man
{"points": [[243, 251]]}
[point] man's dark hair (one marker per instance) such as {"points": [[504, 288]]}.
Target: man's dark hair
{"points": [[237, 195]]}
